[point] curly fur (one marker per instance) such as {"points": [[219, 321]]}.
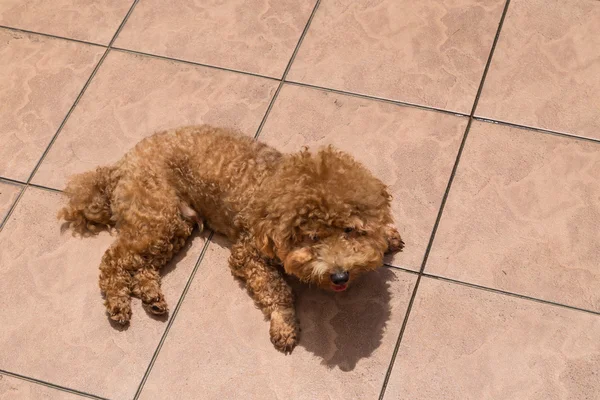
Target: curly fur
{"points": [[313, 214]]}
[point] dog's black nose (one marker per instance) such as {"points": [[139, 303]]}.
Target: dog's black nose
{"points": [[339, 278]]}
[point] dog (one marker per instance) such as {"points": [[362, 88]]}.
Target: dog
{"points": [[319, 216]]}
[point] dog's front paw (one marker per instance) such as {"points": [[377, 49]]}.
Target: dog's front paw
{"points": [[395, 242], [157, 306], [284, 331], [120, 313]]}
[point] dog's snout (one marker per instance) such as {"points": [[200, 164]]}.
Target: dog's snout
{"points": [[339, 278]]}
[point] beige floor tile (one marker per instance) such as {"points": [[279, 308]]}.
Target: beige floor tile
{"points": [[91, 20], [133, 96], [257, 36], [464, 343], [40, 79], [546, 68], [523, 216], [219, 347], [411, 150], [8, 194], [429, 52], [19, 389], [54, 322]]}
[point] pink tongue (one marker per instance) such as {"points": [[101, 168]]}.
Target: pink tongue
{"points": [[339, 288]]}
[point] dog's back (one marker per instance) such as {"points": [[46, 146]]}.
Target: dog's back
{"points": [[213, 171]]}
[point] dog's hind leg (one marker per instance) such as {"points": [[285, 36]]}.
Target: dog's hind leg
{"points": [[151, 231], [132, 264], [146, 286], [270, 291], [115, 283]]}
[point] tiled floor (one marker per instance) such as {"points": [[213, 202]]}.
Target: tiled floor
{"points": [[483, 116]]}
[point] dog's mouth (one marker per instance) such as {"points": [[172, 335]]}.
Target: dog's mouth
{"points": [[339, 288]]}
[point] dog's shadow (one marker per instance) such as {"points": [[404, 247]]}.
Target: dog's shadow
{"points": [[343, 328]]}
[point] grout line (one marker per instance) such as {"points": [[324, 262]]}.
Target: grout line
{"points": [[42, 187], [510, 294], [376, 98], [64, 121], [425, 257], [491, 289], [410, 271], [268, 111], [12, 208], [300, 40], [287, 69], [81, 93], [12, 181], [538, 130], [489, 60], [198, 64], [50, 385], [323, 88], [446, 194], [173, 316], [442, 205], [400, 336], [123, 22], [23, 186], [26, 31]]}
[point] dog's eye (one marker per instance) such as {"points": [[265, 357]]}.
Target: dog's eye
{"points": [[314, 237], [348, 230]]}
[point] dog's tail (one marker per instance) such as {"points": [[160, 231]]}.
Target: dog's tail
{"points": [[89, 196]]}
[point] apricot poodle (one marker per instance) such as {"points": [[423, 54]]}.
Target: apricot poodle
{"points": [[321, 217]]}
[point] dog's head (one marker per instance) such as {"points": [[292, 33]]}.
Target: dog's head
{"points": [[325, 216]]}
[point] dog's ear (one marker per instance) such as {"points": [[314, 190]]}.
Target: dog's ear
{"points": [[268, 227], [282, 201], [272, 236], [262, 239]]}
